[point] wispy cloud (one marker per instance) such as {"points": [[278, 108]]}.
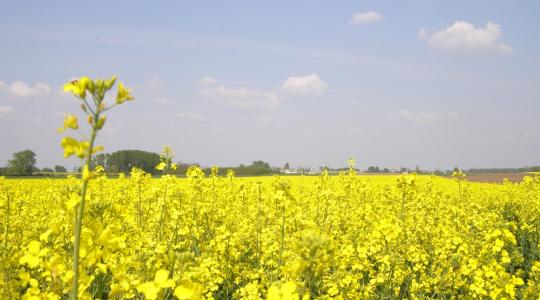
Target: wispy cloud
{"points": [[189, 116], [6, 109], [421, 117], [365, 17], [464, 36], [308, 85], [208, 81], [21, 89], [238, 96]]}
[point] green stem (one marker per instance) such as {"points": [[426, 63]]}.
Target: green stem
{"points": [[159, 231], [80, 213]]}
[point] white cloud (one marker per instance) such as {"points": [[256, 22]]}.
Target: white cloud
{"points": [[238, 97], [464, 36], [422, 116], [366, 17], [5, 109], [189, 116], [309, 85], [20, 89], [206, 81]]}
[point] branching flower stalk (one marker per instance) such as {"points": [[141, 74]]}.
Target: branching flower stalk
{"points": [[84, 149], [407, 184], [160, 228], [459, 176], [167, 166]]}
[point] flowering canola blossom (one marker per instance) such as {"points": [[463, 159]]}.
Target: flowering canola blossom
{"points": [[326, 237]]}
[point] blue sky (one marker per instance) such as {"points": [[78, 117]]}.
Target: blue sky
{"points": [[429, 83]]}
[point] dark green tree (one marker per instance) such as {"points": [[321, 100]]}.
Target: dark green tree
{"points": [[373, 169], [22, 163], [101, 159], [259, 164], [124, 160], [60, 169], [256, 168]]}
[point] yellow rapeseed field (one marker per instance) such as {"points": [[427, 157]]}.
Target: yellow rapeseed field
{"points": [[212, 237], [325, 237]]}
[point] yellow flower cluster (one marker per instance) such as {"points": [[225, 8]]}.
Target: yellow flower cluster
{"points": [[325, 237]]}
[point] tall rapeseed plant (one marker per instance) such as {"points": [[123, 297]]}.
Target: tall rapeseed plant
{"points": [[92, 94]]}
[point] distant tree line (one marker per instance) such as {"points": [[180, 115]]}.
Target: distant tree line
{"points": [[505, 170], [124, 160], [374, 169], [256, 168], [23, 163]]}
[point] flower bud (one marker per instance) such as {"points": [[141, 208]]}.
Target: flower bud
{"points": [[100, 122]]}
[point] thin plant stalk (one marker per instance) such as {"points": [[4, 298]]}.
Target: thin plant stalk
{"points": [[80, 212], [84, 149]]}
